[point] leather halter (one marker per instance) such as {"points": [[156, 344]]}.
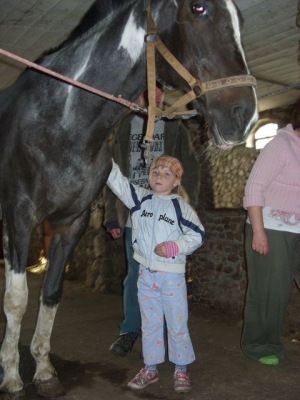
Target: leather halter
{"points": [[198, 88]]}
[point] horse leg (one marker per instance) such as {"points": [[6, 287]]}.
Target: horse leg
{"points": [[62, 244], [15, 247]]}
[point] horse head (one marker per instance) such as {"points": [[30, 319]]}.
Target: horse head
{"points": [[205, 37]]}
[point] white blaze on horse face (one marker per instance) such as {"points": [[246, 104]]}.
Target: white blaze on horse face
{"points": [[236, 28], [237, 35], [133, 39]]}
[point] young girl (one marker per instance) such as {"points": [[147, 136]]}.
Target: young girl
{"points": [[165, 229]]}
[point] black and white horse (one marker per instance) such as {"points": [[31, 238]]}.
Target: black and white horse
{"points": [[53, 142]]}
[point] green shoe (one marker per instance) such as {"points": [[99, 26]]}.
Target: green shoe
{"points": [[269, 360]]}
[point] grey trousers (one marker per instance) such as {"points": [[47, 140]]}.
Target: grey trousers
{"points": [[270, 279]]}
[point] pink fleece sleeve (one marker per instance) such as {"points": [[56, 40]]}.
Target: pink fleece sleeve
{"points": [[267, 167], [171, 249]]}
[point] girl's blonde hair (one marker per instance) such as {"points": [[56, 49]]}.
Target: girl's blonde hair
{"points": [[180, 190]]}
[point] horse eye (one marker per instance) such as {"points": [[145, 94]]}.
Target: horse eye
{"points": [[200, 9]]}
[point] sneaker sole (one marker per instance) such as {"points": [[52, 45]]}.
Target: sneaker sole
{"points": [[269, 360], [183, 390], [136, 387]]}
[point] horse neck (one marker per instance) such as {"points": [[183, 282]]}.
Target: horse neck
{"points": [[110, 55]]}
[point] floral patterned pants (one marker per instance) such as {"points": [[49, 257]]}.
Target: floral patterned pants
{"points": [[162, 296]]}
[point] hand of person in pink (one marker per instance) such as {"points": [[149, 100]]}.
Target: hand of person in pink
{"points": [[260, 242]]}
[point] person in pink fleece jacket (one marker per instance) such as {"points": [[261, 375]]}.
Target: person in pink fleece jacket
{"points": [[272, 242]]}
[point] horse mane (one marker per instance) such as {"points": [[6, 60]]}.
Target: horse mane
{"points": [[98, 11]]}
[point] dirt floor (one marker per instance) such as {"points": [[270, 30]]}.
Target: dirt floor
{"points": [[87, 324]]}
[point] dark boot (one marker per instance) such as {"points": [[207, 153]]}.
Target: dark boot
{"points": [[124, 344]]}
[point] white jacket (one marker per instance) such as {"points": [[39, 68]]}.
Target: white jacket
{"points": [[156, 219]]}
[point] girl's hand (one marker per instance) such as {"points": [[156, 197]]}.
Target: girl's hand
{"points": [[160, 250]]}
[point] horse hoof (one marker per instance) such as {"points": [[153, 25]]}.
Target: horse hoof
{"points": [[51, 388], [13, 396]]}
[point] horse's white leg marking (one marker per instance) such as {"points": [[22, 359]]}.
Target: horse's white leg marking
{"points": [[15, 303], [133, 39], [40, 345]]}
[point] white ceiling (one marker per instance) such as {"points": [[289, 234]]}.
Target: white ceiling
{"points": [[270, 37], [271, 41]]}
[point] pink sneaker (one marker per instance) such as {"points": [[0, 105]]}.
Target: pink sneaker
{"points": [[143, 379], [182, 382]]}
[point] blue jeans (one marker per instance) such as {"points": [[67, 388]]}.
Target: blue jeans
{"points": [[132, 316]]}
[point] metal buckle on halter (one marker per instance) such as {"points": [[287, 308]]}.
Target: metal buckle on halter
{"points": [[198, 88], [145, 152], [151, 37]]}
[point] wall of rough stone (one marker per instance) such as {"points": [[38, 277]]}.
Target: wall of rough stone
{"points": [[228, 171], [218, 272]]}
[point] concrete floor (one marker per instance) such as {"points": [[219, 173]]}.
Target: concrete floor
{"points": [[87, 323]]}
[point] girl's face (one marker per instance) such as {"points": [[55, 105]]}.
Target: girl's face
{"points": [[162, 180]]}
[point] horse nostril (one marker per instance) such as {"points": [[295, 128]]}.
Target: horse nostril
{"points": [[237, 115]]}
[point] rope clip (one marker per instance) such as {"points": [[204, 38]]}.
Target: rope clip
{"points": [[145, 150]]}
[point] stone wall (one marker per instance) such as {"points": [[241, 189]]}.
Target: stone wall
{"points": [[228, 171], [219, 277]]}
